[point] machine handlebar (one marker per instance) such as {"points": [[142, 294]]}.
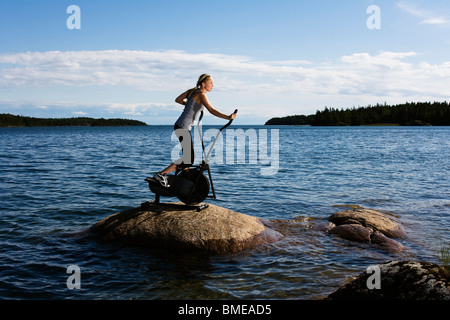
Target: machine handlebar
{"points": [[229, 122], [225, 126]]}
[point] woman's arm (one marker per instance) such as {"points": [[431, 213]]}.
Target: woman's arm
{"points": [[180, 99], [204, 101]]}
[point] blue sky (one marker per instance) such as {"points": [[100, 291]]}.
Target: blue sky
{"points": [[131, 59]]}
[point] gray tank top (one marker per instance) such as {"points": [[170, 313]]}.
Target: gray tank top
{"points": [[190, 112]]}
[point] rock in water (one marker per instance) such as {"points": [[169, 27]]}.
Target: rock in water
{"points": [[371, 219], [365, 225], [214, 229], [387, 243], [399, 280], [324, 226], [353, 232]]}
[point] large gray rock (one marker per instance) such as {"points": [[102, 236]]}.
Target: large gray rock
{"points": [[365, 225], [370, 219], [214, 229], [399, 280]]}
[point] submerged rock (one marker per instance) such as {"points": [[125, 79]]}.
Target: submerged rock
{"points": [[353, 232], [214, 229], [399, 280], [365, 225], [387, 243], [324, 226], [370, 219]]}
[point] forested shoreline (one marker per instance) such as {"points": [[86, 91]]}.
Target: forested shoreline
{"points": [[9, 120], [407, 114]]}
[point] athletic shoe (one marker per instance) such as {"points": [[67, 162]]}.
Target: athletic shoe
{"points": [[162, 179]]}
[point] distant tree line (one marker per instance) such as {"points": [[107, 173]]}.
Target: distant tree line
{"points": [[9, 120], [298, 120], [420, 113]]}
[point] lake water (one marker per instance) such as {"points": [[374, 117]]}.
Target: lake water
{"points": [[57, 182]]}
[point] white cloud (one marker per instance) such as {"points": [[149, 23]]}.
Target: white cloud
{"points": [[79, 113], [428, 16], [435, 21], [146, 70], [260, 87], [100, 109], [136, 109], [410, 8]]}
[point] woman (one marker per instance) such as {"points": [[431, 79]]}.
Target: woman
{"points": [[194, 100]]}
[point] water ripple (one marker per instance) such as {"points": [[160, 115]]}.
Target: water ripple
{"points": [[56, 182]]}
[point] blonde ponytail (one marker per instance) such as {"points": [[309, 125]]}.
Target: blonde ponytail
{"points": [[201, 79]]}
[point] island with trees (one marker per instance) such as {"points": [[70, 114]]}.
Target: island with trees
{"points": [[9, 120], [407, 114]]}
